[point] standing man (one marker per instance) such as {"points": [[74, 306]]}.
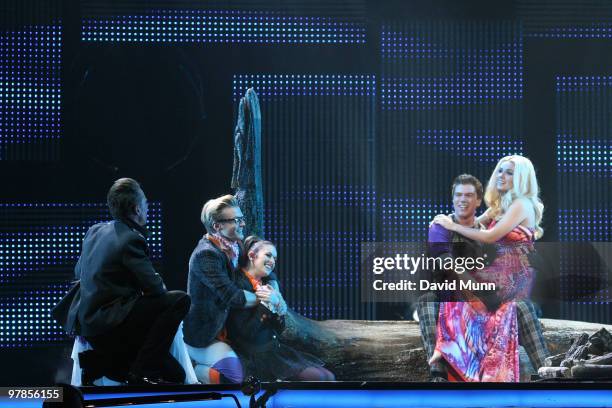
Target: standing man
{"points": [[125, 311], [467, 193], [213, 292]]}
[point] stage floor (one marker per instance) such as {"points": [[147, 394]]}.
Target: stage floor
{"points": [[341, 394]]}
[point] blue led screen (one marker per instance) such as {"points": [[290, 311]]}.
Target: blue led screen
{"points": [[221, 26], [451, 95], [565, 19], [39, 245], [320, 198], [30, 92], [351, 154], [584, 164]]}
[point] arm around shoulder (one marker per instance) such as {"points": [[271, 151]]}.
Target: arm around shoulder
{"points": [[516, 214]]}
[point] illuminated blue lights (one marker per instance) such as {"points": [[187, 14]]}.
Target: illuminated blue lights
{"points": [[488, 148], [584, 156], [432, 65], [602, 30], [42, 241], [319, 253], [320, 203], [582, 83], [39, 246], [279, 85], [435, 92], [585, 224], [25, 320], [398, 44], [407, 219], [339, 241], [584, 164], [222, 26], [30, 91], [343, 196]]}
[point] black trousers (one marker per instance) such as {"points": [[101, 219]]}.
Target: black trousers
{"points": [[141, 343]]}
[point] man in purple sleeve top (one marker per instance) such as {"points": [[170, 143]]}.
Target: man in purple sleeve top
{"points": [[467, 193]]}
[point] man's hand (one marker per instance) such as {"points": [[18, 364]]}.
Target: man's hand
{"points": [[268, 294], [262, 293]]}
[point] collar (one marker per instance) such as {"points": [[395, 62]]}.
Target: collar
{"points": [[254, 282], [230, 248], [476, 223], [135, 226]]}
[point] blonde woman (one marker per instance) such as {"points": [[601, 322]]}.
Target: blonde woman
{"points": [[480, 344]]}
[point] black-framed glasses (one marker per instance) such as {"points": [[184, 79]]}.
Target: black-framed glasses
{"points": [[237, 220]]}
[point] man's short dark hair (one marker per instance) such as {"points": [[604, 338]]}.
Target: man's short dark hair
{"points": [[468, 179], [123, 197]]}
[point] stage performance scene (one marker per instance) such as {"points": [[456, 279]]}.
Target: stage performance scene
{"points": [[344, 203]]}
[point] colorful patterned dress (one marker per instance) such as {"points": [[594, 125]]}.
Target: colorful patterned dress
{"points": [[479, 344]]}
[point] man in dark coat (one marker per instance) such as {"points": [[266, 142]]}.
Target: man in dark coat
{"points": [[125, 311], [213, 292]]}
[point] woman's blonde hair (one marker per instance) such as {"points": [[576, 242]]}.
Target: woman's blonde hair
{"points": [[525, 185]]}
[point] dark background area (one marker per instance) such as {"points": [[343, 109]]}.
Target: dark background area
{"points": [[164, 114]]}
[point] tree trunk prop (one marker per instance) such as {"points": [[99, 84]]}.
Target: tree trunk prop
{"points": [[357, 350], [246, 175]]}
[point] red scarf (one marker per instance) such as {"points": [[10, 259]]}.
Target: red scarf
{"points": [[254, 282], [229, 248]]}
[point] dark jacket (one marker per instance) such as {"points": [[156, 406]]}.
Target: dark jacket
{"points": [[114, 270], [256, 329], [212, 293]]}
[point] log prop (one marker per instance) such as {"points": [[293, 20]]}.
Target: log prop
{"points": [[592, 371], [606, 359], [357, 350], [553, 372]]}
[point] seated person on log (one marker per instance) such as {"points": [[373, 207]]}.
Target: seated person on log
{"points": [[125, 311], [255, 333], [467, 193], [213, 292]]}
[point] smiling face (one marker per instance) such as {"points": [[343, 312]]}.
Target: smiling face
{"points": [[227, 225], [263, 260], [465, 201], [504, 177]]}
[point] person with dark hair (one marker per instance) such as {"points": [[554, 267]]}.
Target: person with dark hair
{"points": [[467, 195], [125, 311], [213, 292], [255, 332], [479, 339]]}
